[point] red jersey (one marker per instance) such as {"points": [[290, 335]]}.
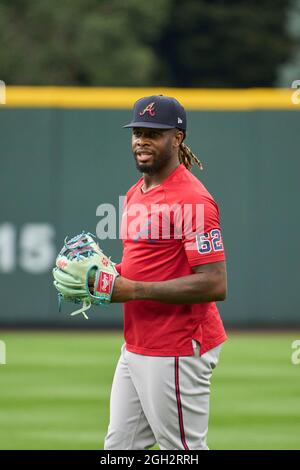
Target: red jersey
{"points": [[166, 231]]}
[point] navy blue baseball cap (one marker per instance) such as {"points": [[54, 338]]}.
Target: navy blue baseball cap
{"points": [[158, 112]]}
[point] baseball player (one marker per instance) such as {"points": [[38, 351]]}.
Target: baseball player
{"points": [[172, 272]]}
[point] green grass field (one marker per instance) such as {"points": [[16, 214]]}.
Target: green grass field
{"points": [[54, 391]]}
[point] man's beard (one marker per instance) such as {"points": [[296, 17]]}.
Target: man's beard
{"points": [[154, 167]]}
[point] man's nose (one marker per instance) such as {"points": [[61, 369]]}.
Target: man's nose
{"points": [[143, 139]]}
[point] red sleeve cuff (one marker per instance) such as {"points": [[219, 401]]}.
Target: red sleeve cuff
{"points": [[197, 260]]}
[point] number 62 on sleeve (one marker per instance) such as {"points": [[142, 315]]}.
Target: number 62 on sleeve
{"points": [[210, 241]]}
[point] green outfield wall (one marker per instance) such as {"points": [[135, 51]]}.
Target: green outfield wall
{"points": [[60, 161]]}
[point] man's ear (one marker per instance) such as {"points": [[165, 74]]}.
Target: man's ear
{"points": [[178, 137]]}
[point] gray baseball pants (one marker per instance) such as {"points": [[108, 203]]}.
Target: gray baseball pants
{"points": [[162, 400]]}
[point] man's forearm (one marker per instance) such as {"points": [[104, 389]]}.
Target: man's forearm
{"points": [[195, 288]]}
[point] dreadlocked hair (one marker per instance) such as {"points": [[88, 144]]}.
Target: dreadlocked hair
{"points": [[187, 157]]}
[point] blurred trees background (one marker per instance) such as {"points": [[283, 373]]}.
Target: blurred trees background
{"points": [[209, 43]]}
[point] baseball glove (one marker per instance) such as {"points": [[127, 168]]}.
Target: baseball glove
{"points": [[83, 274]]}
